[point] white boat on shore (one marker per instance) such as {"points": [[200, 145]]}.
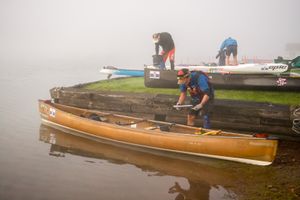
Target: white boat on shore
{"points": [[290, 69], [253, 68], [250, 68]]}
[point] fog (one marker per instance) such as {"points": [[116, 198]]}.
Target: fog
{"points": [[91, 33]]}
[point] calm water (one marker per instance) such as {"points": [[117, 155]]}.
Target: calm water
{"points": [[39, 162]]}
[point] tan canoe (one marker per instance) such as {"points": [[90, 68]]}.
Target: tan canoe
{"points": [[160, 135]]}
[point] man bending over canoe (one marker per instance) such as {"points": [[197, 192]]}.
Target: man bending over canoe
{"points": [[165, 40], [201, 92]]}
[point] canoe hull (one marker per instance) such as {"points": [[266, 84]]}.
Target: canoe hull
{"points": [[247, 150]]}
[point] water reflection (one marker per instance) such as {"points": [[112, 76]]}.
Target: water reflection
{"points": [[204, 181]]}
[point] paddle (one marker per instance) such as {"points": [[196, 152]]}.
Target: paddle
{"points": [[183, 106]]}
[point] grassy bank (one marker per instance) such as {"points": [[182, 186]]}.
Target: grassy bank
{"points": [[137, 85]]}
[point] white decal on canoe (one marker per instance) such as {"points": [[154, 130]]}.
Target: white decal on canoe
{"points": [[154, 75], [133, 126], [281, 81], [52, 138], [52, 112], [274, 67]]}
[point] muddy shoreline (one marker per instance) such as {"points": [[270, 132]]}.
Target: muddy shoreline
{"points": [[281, 180]]}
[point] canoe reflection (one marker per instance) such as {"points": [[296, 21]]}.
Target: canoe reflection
{"points": [[205, 181]]}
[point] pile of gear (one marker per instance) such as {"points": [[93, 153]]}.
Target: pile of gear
{"points": [[296, 121]]}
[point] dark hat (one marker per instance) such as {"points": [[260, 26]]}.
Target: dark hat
{"points": [[182, 73]]}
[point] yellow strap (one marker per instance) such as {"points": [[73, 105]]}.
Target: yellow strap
{"points": [[198, 131]]}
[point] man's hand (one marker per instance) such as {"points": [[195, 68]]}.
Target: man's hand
{"points": [[178, 104], [197, 107]]}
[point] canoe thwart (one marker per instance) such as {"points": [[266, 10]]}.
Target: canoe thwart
{"points": [[164, 127]]}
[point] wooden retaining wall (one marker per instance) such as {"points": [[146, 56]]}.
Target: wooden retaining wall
{"points": [[227, 114]]}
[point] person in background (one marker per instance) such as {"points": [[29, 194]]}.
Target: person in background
{"points": [[201, 92], [222, 56], [230, 45], [165, 40]]}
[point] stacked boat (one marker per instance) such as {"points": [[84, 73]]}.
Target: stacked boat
{"points": [[264, 76], [267, 76]]}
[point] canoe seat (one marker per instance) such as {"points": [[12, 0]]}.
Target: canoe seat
{"points": [[103, 119], [94, 116], [164, 127], [130, 123]]}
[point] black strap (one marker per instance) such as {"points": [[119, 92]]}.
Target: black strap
{"points": [[211, 92]]}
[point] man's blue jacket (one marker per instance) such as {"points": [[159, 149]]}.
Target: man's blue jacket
{"points": [[228, 42]]}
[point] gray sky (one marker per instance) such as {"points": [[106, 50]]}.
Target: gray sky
{"points": [[119, 32]]}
